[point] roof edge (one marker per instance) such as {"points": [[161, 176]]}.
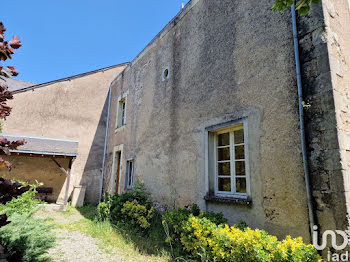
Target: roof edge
{"points": [[166, 29], [35, 152], [69, 78], [38, 137]]}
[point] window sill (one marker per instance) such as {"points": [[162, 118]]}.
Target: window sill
{"points": [[119, 129], [230, 200]]}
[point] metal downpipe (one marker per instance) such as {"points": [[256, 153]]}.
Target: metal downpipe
{"points": [[105, 144], [301, 119]]}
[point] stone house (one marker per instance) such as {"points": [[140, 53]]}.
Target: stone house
{"points": [[68, 116], [217, 110], [213, 110]]}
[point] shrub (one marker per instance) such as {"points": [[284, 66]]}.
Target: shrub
{"points": [[118, 201], [26, 238], [132, 208], [8, 191], [216, 218], [176, 219], [104, 208], [23, 203], [208, 242], [137, 214]]}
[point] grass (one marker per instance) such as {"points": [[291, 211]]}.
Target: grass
{"points": [[112, 240]]}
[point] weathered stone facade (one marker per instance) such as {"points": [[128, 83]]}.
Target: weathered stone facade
{"points": [[325, 52], [231, 60], [227, 60]]}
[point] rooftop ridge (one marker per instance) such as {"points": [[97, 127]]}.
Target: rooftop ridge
{"points": [[67, 78]]}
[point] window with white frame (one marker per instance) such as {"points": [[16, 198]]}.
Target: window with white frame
{"points": [[121, 114], [231, 170], [130, 174]]}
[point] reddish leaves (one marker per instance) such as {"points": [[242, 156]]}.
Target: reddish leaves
{"points": [[15, 42], [2, 30], [5, 147], [13, 70], [6, 50], [8, 191]]}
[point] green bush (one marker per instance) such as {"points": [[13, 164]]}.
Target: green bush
{"points": [[104, 208], [216, 218], [175, 220], [26, 238], [118, 201], [206, 241], [137, 214], [24, 203], [130, 208]]}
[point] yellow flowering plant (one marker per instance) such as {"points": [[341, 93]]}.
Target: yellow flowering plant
{"points": [[206, 241]]}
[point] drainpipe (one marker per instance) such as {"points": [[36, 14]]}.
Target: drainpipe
{"points": [[302, 125], [105, 144]]}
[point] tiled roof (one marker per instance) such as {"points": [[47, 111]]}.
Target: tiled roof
{"points": [[15, 84], [44, 145]]}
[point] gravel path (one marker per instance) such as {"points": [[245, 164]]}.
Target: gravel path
{"points": [[74, 246]]}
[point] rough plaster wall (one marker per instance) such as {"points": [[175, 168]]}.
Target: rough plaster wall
{"points": [[227, 59], [324, 45], [41, 169], [73, 109], [337, 19]]}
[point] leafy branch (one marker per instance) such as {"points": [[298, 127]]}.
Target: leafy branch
{"points": [[302, 6]]}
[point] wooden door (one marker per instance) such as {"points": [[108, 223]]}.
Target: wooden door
{"points": [[118, 154]]}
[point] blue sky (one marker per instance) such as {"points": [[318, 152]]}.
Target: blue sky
{"points": [[66, 37]]}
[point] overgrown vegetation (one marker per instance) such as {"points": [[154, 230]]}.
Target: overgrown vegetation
{"points": [[189, 234], [26, 238], [205, 241], [23, 201]]}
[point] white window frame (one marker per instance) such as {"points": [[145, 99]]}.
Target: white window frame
{"points": [[230, 130], [129, 174], [120, 120]]}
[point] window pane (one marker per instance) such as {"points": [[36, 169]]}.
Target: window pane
{"points": [[240, 168], [130, 173], [241, 185], [225, 184], [224, 139], [239, 136], [223, 153], [239, 152], [123, 113], [224, 169]]}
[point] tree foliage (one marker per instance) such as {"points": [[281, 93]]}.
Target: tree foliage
{"points": [[302, 6], [6, 52], [8, 191]]}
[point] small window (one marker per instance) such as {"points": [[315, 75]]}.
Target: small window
{"points": [[122, 117], [230, 161], [130, 174], [165, 74], [121, 114]]}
